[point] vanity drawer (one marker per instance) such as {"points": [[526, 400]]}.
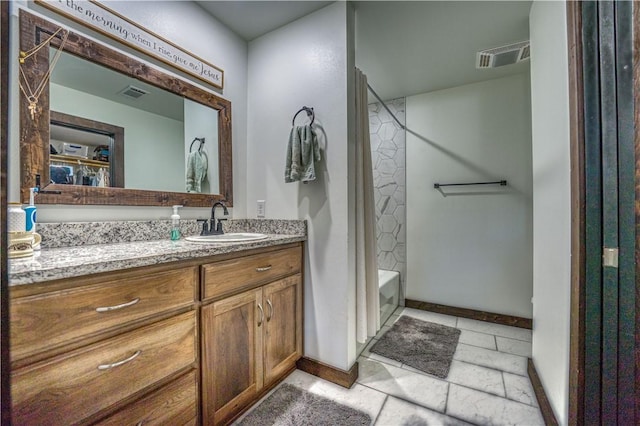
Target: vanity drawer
{"points": [[230, 276], [52, 319], [74, 386], [174, 404]]}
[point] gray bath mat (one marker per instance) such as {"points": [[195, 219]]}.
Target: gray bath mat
{"points": [[291, 406], [419, 344]]}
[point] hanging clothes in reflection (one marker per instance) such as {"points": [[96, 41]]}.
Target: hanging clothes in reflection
{"points": [[61, 174], [102, 178], [80, 174]]}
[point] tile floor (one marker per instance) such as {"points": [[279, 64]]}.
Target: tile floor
{"points": [[487, 382]]}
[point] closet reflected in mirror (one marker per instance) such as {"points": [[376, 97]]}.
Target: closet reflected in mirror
{"points": [[85, 152], [158, 128]]}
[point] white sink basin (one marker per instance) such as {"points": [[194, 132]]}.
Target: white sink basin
{"points": [[231, 237]]}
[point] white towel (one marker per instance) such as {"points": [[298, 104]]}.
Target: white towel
{"points": [[302, 153], [197, 165]]}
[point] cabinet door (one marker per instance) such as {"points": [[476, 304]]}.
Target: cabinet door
{"points": [[283, 326], [232, 355]]}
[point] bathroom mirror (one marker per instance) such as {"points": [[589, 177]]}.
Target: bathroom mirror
{"points": [[159, 126], [153, 164]]}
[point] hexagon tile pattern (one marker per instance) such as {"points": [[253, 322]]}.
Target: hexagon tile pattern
{"points": [[388, 150]]}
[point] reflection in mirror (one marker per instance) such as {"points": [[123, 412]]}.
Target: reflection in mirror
{"points": [[158, 124], [158, 115], [85, 152]]}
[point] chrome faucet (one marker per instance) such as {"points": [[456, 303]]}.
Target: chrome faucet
{"points": [[214, 229]]}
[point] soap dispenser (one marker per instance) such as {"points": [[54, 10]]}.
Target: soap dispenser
{"points": [[175, 224]]}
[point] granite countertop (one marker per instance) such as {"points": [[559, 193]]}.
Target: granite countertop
{"points": [[78, 260]]}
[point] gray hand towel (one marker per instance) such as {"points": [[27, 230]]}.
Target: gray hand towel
{"points": [[302, 153]]}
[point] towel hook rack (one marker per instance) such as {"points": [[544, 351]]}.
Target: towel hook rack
{"points": [[310, 114], [201, 140]]}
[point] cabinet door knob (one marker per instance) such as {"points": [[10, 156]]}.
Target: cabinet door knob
{"points": [[263, 268], [115, 307], [261, 315], [119, 363], [270, 310]]}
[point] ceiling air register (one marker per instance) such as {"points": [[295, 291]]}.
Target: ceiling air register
{"points": [[504, 55]]}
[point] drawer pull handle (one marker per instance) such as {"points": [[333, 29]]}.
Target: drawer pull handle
{"points": [[260, 321], [113, 308], [270, 310], [263, 268], [119, 363]]}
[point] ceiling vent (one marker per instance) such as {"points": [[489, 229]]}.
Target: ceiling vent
{"points": [[132, 92], [505, 55]]}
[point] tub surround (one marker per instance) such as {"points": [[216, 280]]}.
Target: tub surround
{"points": [[388, 148], [90, 248]]}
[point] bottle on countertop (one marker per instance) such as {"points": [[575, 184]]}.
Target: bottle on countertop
{"points": [[16, 218], [175, 224], [30, 211]]}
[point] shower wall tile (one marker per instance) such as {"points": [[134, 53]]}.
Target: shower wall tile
{"points": [[388, 152]]}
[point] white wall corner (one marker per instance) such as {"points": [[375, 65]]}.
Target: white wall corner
{"points": [[551, 202]]}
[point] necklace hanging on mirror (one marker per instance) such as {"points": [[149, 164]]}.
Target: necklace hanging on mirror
{"points": [[32, 95], [24, 55]]}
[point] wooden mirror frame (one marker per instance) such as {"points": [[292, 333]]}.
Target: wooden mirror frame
{"points": [[34, 133]]}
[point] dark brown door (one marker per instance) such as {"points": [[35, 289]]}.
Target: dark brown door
{"points": [[610, 217]]}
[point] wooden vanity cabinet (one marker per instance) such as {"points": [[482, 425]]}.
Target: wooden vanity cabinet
{"points": [[250, 340], [144, 346], [82, 349]]}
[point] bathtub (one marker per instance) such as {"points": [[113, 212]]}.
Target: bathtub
{"points": [[389, 282]]}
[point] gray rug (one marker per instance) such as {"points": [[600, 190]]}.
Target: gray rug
{"points": [[419, 344], [291, 406]]}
